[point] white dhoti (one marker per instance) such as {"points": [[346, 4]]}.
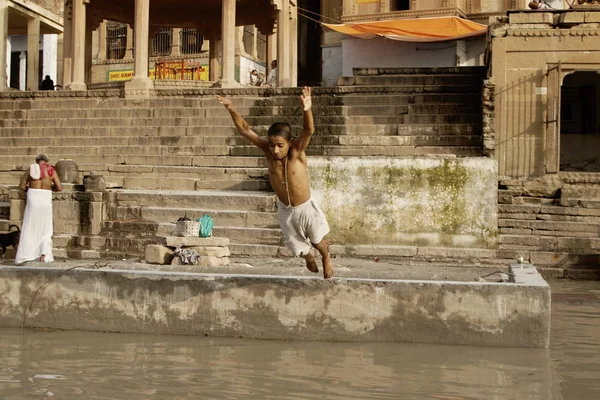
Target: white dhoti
{"points": [[37, 228], [302, 225]]}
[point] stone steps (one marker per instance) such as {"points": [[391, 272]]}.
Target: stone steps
{"points": [[372, 151], [391, 106], [207, 199], [198, 145], [235, 218], [225, 120], [418, 79], [215, 134], [201, 105]]}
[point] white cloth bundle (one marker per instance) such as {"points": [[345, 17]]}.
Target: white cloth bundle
{"points": [[35, 171]]}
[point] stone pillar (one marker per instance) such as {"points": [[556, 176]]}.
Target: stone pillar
{"points": [[294, 46], [78, 34], [176, 42], [129, 45], [140, 80], [213, 62], [67, 74], [271, 49], [88, 54], [8, 61], [4, 61], [228, 37], [33, 54], [255, 42], [102, 41], [283, 45], [22, 70]]}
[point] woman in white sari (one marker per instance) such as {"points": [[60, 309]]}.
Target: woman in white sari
{"points": [[36, 230]]}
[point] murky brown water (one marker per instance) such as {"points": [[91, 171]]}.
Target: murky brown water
{"points": [[86, 365]]}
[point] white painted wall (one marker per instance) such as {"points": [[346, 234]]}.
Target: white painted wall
{"points": [[475, 52], [332, 64], [49, 64], [382, 52], [49, 46]]}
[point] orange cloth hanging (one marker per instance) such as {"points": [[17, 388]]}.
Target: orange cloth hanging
{"points": [[437, 29]]}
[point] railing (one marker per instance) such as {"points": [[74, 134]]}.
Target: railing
{"points": [[162, 42], [116, 40], [178, 70], [191, 41]]}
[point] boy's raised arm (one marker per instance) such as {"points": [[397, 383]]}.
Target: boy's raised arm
{"points": [[309, 125], [243, 127]]}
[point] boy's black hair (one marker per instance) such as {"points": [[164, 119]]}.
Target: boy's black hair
{"points": [[282, 129]]}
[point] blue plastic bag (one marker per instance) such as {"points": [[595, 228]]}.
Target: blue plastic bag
{"points": [[206, 226]]}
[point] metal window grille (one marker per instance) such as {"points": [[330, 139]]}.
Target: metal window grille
{"points": [[161, 43], [116, 40], [191, 41]]}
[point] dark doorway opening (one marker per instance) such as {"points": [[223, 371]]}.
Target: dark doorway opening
{"points": [[309, 43], [14, 69], [579, 129], [399, 5]]}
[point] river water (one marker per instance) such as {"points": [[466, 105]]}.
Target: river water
{"points": [[38, 364]]}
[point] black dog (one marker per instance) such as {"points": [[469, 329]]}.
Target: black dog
{"points": [[9, 239]]}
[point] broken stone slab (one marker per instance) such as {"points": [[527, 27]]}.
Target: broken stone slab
{"points": [[178, 241], [157, 254], [205, 261]]}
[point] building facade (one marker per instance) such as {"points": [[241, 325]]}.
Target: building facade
{"points": [[30, 43]]}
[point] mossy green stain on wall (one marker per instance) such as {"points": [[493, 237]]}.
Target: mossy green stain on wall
{"points": [[408, 202]]}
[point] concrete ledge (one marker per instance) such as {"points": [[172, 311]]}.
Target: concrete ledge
{"points": [[279, 307]]}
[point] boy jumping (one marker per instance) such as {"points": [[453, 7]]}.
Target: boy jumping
{"points": [[302, 222]]}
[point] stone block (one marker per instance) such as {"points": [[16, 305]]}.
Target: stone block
{"points": [[17, 209], [573, 17], [212, 251], [532, 18], [578, 244], [345, 81], [157, 254], [176, 241], [94, 182]]}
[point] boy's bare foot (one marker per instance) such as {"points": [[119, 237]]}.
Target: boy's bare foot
{"points": [[327, 267], [312, 265]]}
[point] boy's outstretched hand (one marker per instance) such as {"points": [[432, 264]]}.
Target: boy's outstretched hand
{"points": [[226, 102], [305, 97]]}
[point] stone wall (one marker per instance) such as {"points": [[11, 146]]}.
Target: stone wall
{"points": [[75, 211], [555, 219], [526, 50], [412, 201], [54, 6], [514, 313]]}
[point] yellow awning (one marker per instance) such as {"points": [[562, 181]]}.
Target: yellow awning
{"points": [[437, 29]]}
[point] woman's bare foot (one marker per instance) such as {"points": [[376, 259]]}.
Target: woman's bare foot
{"points": [[43, 258], [327, 267]]}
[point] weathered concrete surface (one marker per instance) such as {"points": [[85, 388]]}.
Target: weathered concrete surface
{"points": [[416, 201], [107, 298]]}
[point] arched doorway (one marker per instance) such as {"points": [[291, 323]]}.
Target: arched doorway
{"points": [[579, 124]]}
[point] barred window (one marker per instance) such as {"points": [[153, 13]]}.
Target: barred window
{"points": [[116, 40], [161, 43], [191, 41]]}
